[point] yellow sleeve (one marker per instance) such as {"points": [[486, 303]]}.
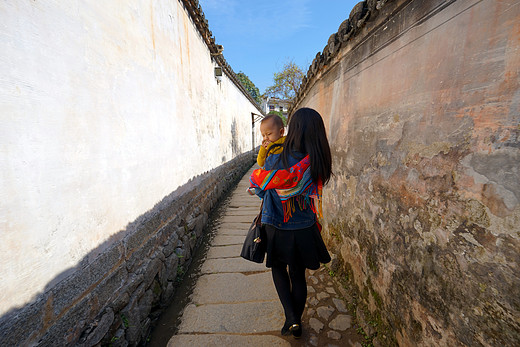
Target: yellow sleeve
{"points": [[260, 159]]}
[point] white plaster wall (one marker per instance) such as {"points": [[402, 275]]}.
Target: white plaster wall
{"points": [[105, 108]]}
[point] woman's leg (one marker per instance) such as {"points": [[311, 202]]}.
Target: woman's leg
{"points": [[282, 284], [298, 290]]}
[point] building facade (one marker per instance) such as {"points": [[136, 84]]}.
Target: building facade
{"points": [[270, 104]]}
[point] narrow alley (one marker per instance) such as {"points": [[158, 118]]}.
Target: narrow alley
{"points": [[127, 141], [234, 302]]}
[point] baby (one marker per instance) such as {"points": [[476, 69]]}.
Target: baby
{"points": [[272, 130]]}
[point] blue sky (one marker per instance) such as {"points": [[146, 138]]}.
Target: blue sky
{"points": [[260, 36]]}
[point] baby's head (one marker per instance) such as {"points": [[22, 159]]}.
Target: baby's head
{"points": [[271, 128]]}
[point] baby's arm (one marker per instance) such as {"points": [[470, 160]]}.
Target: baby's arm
{"points": [[262, 154]]}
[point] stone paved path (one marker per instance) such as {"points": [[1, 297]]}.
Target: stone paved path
{"points": [[234, 302]]}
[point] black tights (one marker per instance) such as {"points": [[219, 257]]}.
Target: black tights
{"points": [[292, 290]]}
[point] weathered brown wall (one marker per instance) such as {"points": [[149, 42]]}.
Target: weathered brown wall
{"points": [[421, 100]]}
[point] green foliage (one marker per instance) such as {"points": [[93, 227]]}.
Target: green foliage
{"points": [[368, 339], [180, 274], [331, 272], [180, 270], [125, 321], [286, 82], [250, 87]]}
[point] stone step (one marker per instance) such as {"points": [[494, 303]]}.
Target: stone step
{"points": [[236, 229], [232, 288], [220, 340], [225, 240], [231, 265], [250, 211], [249, 317], [224, 251], [238, 219]]}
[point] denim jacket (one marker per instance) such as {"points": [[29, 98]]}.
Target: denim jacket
{"points": [[272, 210]]}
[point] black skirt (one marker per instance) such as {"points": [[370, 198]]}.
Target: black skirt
{"points": [[303, 247]]}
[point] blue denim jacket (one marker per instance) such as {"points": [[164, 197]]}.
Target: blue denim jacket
{"points": [[272, 211]]}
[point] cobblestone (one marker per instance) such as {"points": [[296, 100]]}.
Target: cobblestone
{"points": [[333, 335], [322, 295], [316, 324], [325, 312], [341, 322], [331, 290], [340, 305], [313, 301]]}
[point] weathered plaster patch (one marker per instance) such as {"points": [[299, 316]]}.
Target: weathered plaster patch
{"points": [[497, 174], [509, 225], [470, 239], [427, 151]]}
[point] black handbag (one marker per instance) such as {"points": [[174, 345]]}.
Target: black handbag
{"points": [[255, 244]]}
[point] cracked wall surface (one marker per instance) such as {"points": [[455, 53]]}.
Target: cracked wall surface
{"points": [[421, 101]]}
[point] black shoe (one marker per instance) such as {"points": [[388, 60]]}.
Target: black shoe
{"points": [[296, 330], [286, 329]]}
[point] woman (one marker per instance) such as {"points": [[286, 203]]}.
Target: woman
{"points": [[290, 187]]}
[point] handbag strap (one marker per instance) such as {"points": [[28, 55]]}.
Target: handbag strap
{"points": [[259, 217]]}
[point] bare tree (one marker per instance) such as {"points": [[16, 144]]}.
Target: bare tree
{"points": [[286, 82]]}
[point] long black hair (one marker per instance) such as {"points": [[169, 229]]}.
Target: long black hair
{"points": [[307, 135]]}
